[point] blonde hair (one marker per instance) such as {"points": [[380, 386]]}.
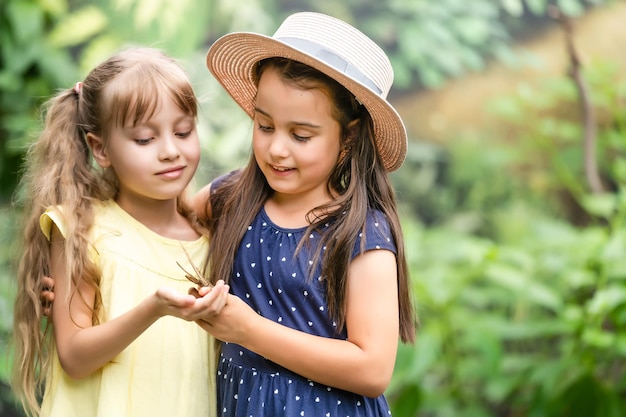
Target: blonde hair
{"points": [[59, 170]]}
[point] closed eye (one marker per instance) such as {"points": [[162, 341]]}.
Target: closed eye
{"points": [[301, 138], [183, 134], [263, 128], [143, 141]]}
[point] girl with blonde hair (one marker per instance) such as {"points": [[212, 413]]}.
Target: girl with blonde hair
{"points": [[105, 217]]}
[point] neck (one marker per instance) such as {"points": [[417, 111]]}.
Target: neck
{"points": [[291, 210], [160, 216]]}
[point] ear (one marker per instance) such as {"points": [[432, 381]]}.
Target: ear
{"points": [[98, 150]]}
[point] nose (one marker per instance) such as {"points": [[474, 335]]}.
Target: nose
{"points": [[169, 148], [279, 145]]}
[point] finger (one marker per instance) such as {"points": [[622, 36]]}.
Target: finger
{"points": [[213, 302], [202, 291], [205, 290], [223, 299], [47, 282], [46, 296]]}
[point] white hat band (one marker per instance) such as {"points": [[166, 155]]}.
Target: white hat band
{"points": [[333, 60]]}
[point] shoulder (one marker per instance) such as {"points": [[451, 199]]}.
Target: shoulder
{"points": [[377, 221], [54, 215], [205, 199], [223, 180], [377, 234], [60, 217], [221, 188]]}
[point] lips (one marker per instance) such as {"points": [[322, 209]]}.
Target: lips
{"points": [[280, 169], [173, 172]]}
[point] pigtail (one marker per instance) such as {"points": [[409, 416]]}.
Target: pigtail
{"points": [[58, 173]]}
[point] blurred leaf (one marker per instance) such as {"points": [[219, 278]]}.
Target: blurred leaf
{"points": [[600, 204], [57, 66], [598, 338], [54, 7], [414, 362], [536, 7], [98, 49], [583, 398], [513, 7], [570, 7], [27, 21], [529, 329], [20, 57], [407, 401], [522, 287], [607, 299], [78, 27]]}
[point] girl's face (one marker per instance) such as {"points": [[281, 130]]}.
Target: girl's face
{"points": [[154, 160], [296, 141]]}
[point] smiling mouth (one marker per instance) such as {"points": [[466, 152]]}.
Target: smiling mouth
{"points": [[280, 169]]}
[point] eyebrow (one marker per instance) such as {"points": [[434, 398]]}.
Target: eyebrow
{"points": [[307, 124], [147, 122]]}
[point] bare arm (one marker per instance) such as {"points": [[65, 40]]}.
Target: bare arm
{"points": [[362, 364], [84, 348]]}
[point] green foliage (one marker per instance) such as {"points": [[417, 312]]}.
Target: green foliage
{"points": [[523, 307], [7, 294], [430, 42], [29, 69], [517, 329], [546, 121]]}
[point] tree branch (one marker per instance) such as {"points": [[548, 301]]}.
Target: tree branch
{"points": [[588, 113]]}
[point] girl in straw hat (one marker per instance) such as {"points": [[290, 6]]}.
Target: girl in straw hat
{"points": [[307, 234], [105, 218]]}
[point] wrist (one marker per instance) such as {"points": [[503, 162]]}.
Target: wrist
{"points": [[153, 307]]}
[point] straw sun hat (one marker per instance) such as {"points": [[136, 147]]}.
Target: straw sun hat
{"points": [[328, 45]]}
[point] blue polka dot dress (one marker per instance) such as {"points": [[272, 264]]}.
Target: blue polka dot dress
{"points": [[275, 285]]}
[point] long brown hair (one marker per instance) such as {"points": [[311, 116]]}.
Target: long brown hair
{"points": [[60, 171], [360, 180]]}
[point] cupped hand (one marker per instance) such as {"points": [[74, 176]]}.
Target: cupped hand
{"points": [[192, 306]]}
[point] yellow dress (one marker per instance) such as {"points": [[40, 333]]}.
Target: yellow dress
{"points": [[169, 370]]}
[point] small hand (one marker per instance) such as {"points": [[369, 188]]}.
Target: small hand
{"points": [[231, 323], [192, 306], [47, 295], [211, 299]]}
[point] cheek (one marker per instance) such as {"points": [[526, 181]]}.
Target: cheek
{"points": [[118, 161], [192, 150], [332, 150], [322, 158]]}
